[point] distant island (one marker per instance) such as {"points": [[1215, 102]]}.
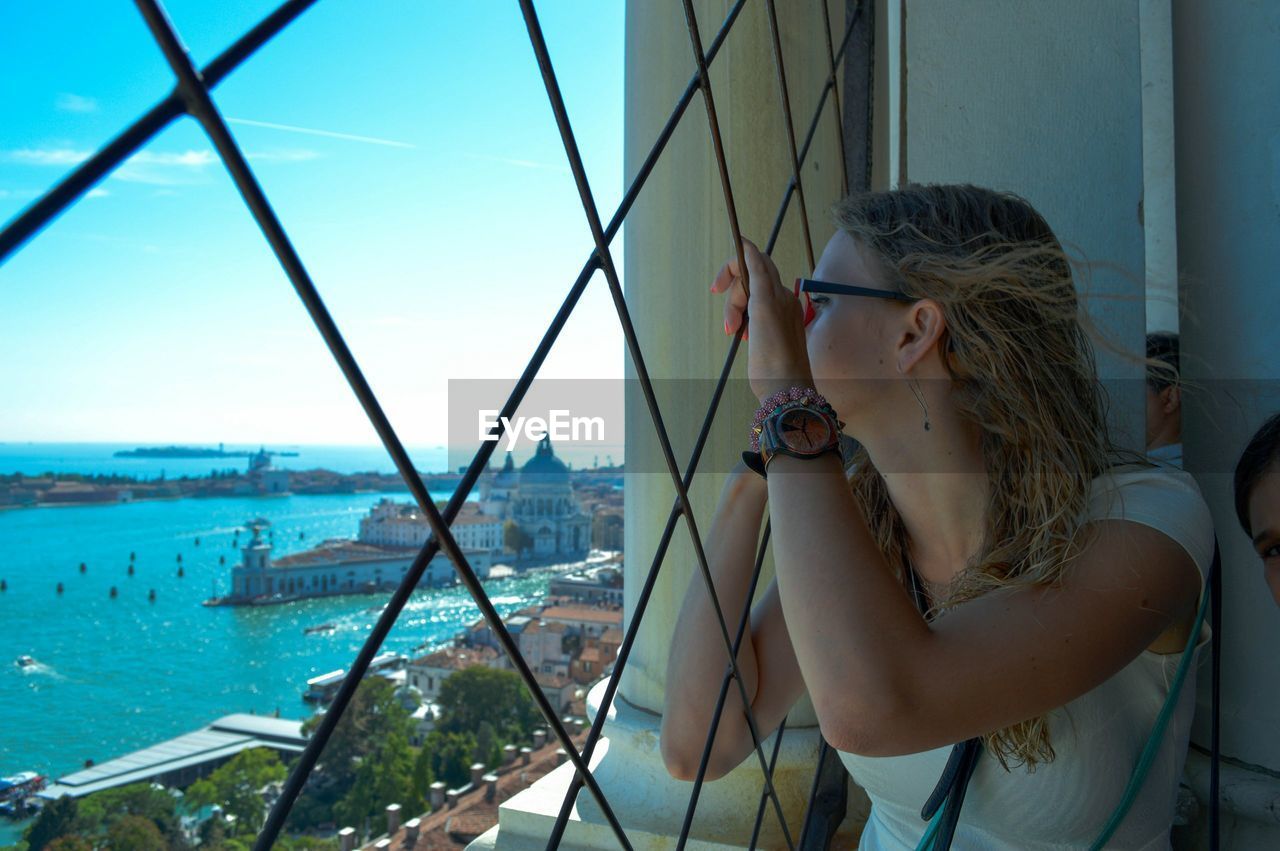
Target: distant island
{"points": [[191, 452], [22, 491]]}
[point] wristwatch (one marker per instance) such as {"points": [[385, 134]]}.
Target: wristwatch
{"points": [[802, 431]]}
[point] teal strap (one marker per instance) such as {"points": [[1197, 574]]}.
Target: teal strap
{"points": [[926, 841], [1157, 734], [1148, 753]]}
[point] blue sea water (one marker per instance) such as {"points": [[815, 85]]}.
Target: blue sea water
{"points": [[117, 675]]}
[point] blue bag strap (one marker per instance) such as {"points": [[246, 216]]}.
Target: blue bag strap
{"points": [[1162, 720]]}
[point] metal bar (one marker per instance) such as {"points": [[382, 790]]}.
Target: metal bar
{"points": [[718, 712], [610, 272], [831, 57], [828, 801], [54, 202], [704, 77], [201, 106], [695, 41], [785, 101], [796, 186], [642, 602], [764, 793], [650, 579]]}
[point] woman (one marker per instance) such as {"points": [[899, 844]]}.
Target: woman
{"points": [[1061, 588], [1257, 494]]}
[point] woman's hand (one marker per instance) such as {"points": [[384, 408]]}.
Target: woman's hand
{"points": [[777, 358]]}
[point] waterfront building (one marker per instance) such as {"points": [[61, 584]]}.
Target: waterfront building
{"points": [[598, 584], [397, 524], [541, 501], [337, 566], [181, 761], [262, 477]]}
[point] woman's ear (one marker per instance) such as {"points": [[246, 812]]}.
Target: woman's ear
{"points": [[923, 330]]}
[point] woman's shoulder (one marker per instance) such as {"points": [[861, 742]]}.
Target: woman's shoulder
{"points": [[1164, 497]]}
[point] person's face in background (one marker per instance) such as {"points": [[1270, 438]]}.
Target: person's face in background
{"points": [[1264, 519], [1164, 416]]}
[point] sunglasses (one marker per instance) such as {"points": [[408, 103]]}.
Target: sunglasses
{"points": [[809, 285]]}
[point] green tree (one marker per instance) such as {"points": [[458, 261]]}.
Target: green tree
{"points": [[135, 833], [73, 842], [447, 758], [383, 777], [236, 787], [61, 817], [99, 810], [488, 750], [373, 715], [470, 697]]}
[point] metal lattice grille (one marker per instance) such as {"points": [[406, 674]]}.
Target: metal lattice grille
{"points": [[191, 96]]}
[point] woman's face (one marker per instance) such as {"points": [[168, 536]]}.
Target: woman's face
{"points": [[849, 339], [1264, 519]]}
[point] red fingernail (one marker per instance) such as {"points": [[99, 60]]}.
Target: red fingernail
{"points": [[726, 326], [809, 312]]}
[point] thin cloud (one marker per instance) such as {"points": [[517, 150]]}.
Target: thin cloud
{"points": [[97, 192], [311, 131], [295, 155], [562, 169], [157, 168], [46, 156], [164, 168], [68, 102]]}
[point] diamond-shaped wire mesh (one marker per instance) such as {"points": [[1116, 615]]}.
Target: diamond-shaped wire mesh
{"points": [[191, 96]]}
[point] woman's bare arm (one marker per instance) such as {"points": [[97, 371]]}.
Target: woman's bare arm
{"points": [[699, 660]]}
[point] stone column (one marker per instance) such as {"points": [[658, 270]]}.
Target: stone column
{"points": [[1227, 91]]}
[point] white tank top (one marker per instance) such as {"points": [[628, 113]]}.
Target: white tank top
{"points": [[1097, 737]]}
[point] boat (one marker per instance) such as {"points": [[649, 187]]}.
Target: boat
{"points": [[15, 788], [25, 661], [273, 599], [324, 688], [324, 627]]}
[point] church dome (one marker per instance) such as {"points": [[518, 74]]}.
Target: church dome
{"points": [[544, 467]]}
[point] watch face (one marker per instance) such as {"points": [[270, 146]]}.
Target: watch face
{"points": [[803, 431]]}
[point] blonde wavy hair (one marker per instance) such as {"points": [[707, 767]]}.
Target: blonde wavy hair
{"points": [[1017, 347]]}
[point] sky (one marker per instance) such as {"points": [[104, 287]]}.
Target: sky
{"points": [[408, 148]]}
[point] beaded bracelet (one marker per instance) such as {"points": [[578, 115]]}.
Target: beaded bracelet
{"points": [[791, 397]]}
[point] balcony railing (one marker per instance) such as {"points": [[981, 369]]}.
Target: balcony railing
{"points": [[191, 96]]}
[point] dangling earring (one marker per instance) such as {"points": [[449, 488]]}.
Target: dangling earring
{"points": [[914, 384]]}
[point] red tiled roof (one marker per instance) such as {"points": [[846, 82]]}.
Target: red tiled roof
{"points": [[450, 829], [583, 613], [456, 658]]}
